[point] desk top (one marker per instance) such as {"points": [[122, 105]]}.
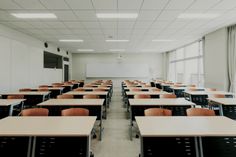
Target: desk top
{"points": [[49, 88], [146, 92], [140, 88], [7, 102], [186, 126], [223, 101], [28, 93], [106, 88], [186, 88], [207, 92], [47, 126], [87, 92], [70, 102], [162, 102]]}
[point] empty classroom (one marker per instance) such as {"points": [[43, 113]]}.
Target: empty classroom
{"points": [[118, 78]]}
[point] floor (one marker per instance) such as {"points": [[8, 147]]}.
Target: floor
{"points": [[116, 141]]}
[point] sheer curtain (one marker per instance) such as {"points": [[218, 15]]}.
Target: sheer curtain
{"points": [[231, 57]]}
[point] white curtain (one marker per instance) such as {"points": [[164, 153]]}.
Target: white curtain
{"points": [[231, 57]]}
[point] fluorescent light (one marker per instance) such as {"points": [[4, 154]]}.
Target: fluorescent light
{"points": [[162, 40], [117, 15], [85, 50], [35, 15], [197, 16], [71, 40], [117, 40], [117, 50]]}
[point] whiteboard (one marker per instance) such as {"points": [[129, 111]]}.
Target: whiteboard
{"points": [[116, 70]]}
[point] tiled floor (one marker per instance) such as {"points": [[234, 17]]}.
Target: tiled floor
{"points": [[116, 141]]}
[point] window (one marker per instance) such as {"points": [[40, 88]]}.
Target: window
{"points": [[186, 64]]}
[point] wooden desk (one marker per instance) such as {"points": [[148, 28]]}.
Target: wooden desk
{"points": [[32, 98], [47, 136], [200, 97], [187, 136], [55, 91], [93, 105], [154, 94], [101, 94], [137, 107], [227, 106], [179, 91], [7, 106]]}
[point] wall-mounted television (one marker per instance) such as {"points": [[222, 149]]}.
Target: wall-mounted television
{"points": [[52, 60]]}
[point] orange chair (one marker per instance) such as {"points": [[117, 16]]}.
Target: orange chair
{"points": [[43, 86], [75, 112], [99, 90], [157, 112], [25, 90], [218, 96], [156, 90], [210, 89], [35, 112], [87, 96], [43, 89], [200, 112], [15, 97], [142, 96], [167, 96], [135, 90], [88, 85], [192, 89], [65, 96], [192, 85]]}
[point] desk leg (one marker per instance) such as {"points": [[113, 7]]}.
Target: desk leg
{"points": [[200, 147], [141, 143], [88, 146], [196, 146], [101, 129], [11, 110], [221, 110], [29, 147], [33, 146], [131, 124]]}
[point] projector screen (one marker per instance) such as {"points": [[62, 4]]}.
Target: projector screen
{"points": [[116, 70]]}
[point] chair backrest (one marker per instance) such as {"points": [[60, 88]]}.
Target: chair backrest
{"points": [[192, 89], [87, 96], [157, 112], [99, 89], [43, 86], [218, 96], [156, 90], [43, 89], [65, 96], [167, 96], [200, 112], [88, 85], [135, 90], [75, 112], [60, 84], [79, 89], [25, 90], [192, 85], [142, 96], [210, 89], [35, 112], [15, 97]]}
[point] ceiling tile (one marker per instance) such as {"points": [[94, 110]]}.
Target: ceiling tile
{"points": [[169, 15], [91, 25], [79, 4], [154, 4], [125, 25], [109, 25], [105, 4], [55, 24], [203, 4], [8, 4], [79, 31], [73, 24], [225, 4], [65, 15], [179, 4], [30, 4], [22, 24], [145, 15], [130, 4], [55, 4], [86, 15]]}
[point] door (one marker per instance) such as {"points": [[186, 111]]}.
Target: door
{"points": [[66, 72]]}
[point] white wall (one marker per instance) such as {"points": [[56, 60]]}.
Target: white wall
{"points": [[215, 59], [21, 61], [153, 60]]}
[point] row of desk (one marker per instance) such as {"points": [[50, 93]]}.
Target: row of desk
{"points": [[180, 135]]}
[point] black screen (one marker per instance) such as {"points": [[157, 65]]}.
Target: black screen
{"points": [[52, 60]]}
